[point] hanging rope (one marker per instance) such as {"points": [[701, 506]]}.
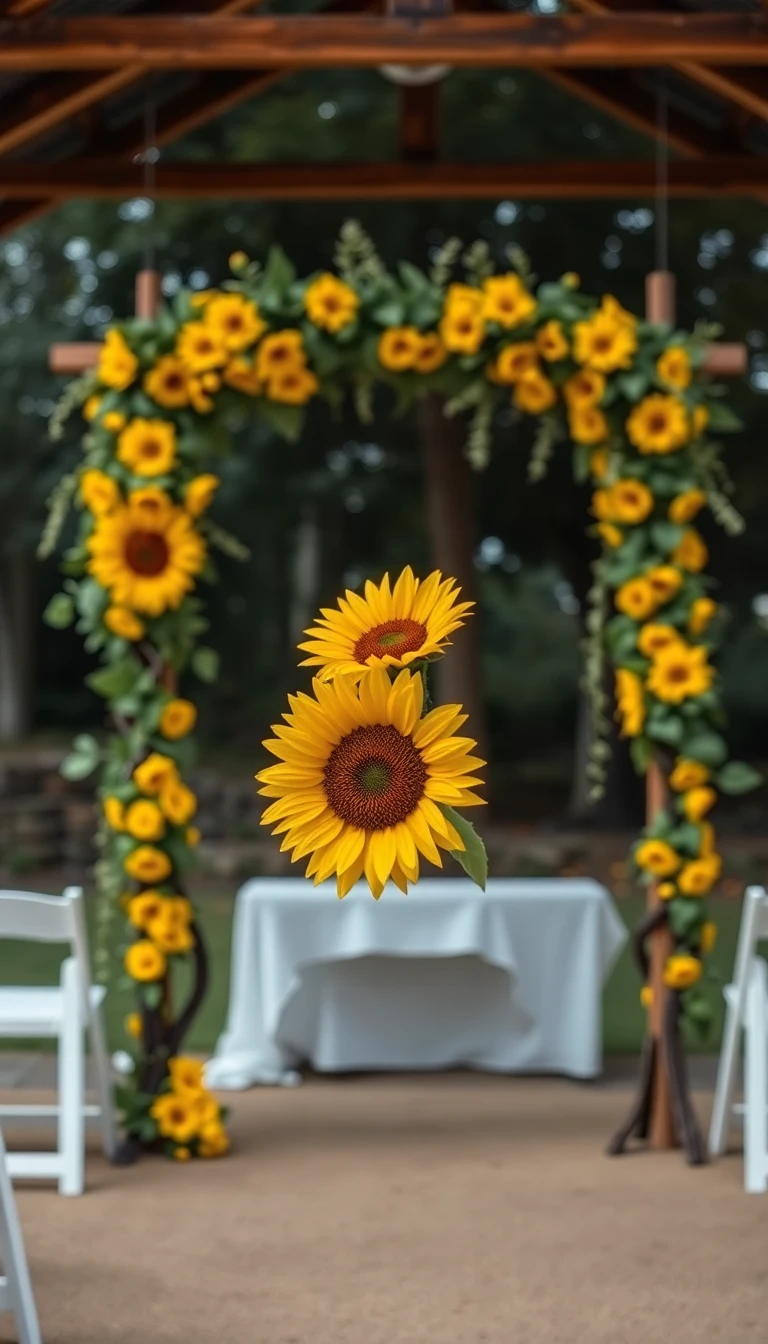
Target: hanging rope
{"points": [[149, 159], [662, 175]]}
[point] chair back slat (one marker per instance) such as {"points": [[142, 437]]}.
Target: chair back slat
{"points": [[40, 919]]}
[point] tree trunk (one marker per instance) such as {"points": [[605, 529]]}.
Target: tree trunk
{"points": [[453, 534], [16, 646]]}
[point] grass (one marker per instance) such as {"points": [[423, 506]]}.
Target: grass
{"points": [[623, 1018]]}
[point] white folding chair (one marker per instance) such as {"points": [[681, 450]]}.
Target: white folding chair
{"points": [[65, 1012], [16, 1293], [746, 1011]]}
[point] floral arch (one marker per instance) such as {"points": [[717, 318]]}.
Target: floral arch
{"points": [[628, 394]]}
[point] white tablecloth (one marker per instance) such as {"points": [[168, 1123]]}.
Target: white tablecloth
{"points": [[508, 980]]}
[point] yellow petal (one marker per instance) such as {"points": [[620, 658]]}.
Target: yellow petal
{"points": [[350, 849], [422, 835], [346, 880], [403, 594], [383, 847]]}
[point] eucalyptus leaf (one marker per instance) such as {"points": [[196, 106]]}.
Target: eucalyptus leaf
{"points": [[205, 664], [60, 611], [473, 858], [738, 777]]}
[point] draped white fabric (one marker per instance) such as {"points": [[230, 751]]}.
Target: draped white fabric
{"points": [[508, 980]]}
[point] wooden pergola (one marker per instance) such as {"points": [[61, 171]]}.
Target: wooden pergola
{"points": [[75, 79]]}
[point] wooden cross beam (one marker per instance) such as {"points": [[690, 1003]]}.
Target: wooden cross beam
{"points": [[318, 41]]}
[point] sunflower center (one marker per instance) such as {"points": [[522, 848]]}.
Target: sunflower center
{"points": [[602, 343], [393, 637], [146, 553], [677, 673], [657, 424], [150, 448], [375, 777]]}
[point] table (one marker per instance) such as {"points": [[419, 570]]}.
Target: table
{"points": [[508, 980]]}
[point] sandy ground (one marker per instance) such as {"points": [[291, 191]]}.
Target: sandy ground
{"points": [[452, 1209]]}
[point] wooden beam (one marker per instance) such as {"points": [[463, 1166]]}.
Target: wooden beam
{"points": [[109, 179], [419, 122], [324, 41]]}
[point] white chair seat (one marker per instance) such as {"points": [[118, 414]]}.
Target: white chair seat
{"points": [[36, 1010]]}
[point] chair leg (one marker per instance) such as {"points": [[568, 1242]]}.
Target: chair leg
{"points": [[103, 1081], [20, 1296], [71, 1084], [756, 1081]]}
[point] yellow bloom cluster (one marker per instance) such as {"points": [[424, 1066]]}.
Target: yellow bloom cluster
{"points": [[187, 1115]]}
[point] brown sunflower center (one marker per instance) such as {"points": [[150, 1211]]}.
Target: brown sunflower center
{"points": [[393, 637], [677, 674], [375, 777], [146, 553], [603, 343], [173, 382], [150, 448], [657, 423], [331, 303]]}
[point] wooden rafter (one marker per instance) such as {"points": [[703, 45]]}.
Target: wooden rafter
{"points": [[572, 179], [613, 94], [747, 88], [419, 122], [322, 41]]}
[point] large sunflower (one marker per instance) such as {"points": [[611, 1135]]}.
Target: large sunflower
{"points": [[385, 628], [361, 778], [146, 553]]}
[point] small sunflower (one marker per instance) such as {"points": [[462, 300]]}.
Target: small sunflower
{"points": [[587, 424], [657, 857], [99, 492], [534, 393], [154, 772], [201, 348], [118, 365], [630, 702], [399, 348], [148, 865], [187, 1075], [199, 493], [293, 387], [637, 599], [281, 352], [514, 362], [673, 368], [235, 320], [240, 373], [700, 875], [177, 719], [611, 534], [114, 813], [701, 613], [679, 672], [631, 501], [653, 638], [507, 301], [386, 628], [551, 341], [681, 971], [144, 961], [699, 420], [599, 463], [432, 353], [698, 801], [462, 328], [175, 1117], [147, 447], [168, 383], [584, 388], [603, 343], [688, 775], [658, 424], [361, 777], [665, 581], [686, 506], [146, 553], [178, 802], [144, 820], [146, 907], [330, 303], [691, 552]]}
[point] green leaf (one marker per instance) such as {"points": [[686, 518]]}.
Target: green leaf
{"points": [[279, 272], [83, 759], [633, 385], [700, 744], [91, 600], [738, 777], [473, 858], [205, 664], [684, 917], [60, 611], [686, 839], [285, 420], [641, 752], [665, 727], [666, 536], [116, 680], [721, 417], [389, 314], [152, 995]]}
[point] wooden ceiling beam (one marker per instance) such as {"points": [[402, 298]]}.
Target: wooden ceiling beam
{"points": [[419, 122], [573, 179], [318, 41], [613, 94]]}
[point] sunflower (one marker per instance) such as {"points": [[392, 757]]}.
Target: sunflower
{"points": [[279, 352], [599, 463], [432, 353], [361, 777], [681, 971], [199, 493], [198, 397], [514, 362], [698, 802], [611, 535], [700, 875], [631, 501], [235, 320], [584, 388], [673, 368], [637, 599], [534, 393], [171, 935], [665, 582], [213, 1141], [148, 865], [658, 424], [699, 420], [200, 347], [240, 373], [657, 857], [701, 613], [653, 638], [175, 1117], [187, 1075], [551, 341], [144, 908], [114, 421], [293, 387], [146, 553], [385, 628], [144, 820], [399, 348], [691, 552], [462, 328], [178, 802], [330, 303], [114, 813], [118, 365], [99, 492], [168, 383], [707, 937], [133, 1025], [154, 772], [688, 775], [630, 702], [601, 504], [507, 301], [603, 343], [177, 719], [678, 672], [685, 507], [91, 408], [587, 424], [144, 961], [147, 447]]}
